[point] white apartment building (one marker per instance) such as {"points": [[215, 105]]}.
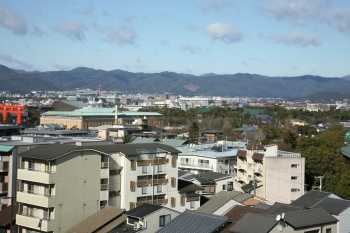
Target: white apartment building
{"points": [[279, 175], [198, 162], [61, 185]]}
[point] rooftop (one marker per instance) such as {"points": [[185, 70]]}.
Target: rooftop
{"points": [[333, 205], [213, 204], [310, 198], [214, 175], [143, 210], [211, 154]]}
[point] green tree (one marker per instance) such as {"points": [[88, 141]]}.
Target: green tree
{"points": [[344, 183], [193, 132], [127, 138], [290, 137]]}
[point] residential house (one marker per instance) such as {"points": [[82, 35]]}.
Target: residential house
{"points": [[303, 221], [146, 218], [195, 222], [311, 198], [224, 182], [189, 195], [218, 205], [338, 208]]}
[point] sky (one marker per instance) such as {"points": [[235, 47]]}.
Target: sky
{"points": [[267, 37]]}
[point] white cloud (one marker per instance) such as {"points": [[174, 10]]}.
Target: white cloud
{"points": [[229, 33], [73, 30], [123, 34], [18, 63], [340, 18], [192, 49], [216, 6], [296, 38], [298, 12], [13, 21]]}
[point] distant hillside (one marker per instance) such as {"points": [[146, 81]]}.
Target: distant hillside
{"points": [[229, 85]]}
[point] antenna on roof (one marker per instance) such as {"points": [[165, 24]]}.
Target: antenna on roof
{"points": [[281, 223]]}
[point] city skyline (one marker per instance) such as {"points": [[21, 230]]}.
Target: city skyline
{"points": [[272, 37]]}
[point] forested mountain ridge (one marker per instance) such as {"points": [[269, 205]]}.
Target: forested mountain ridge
{"points": [[230, 85]]}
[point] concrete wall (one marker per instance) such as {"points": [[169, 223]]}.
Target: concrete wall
{"points": [[153, 219]]}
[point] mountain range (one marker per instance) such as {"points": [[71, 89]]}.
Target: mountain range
{"points": [[228, 85]]}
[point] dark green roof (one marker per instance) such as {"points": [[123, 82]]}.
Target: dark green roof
{"points": [[204, 110], [4, 148], [346, 151], [253, 112]]}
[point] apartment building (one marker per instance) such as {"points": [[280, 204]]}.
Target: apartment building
{"points": [[60, 185], [279, 176], [216, 160], [7, 175]]}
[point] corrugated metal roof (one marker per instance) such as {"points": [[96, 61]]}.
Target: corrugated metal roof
{"points": [[4, 148], [195, 222]]}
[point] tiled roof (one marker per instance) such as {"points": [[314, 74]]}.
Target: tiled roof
{"points": [[230, 194], [195, 222], [4, 148], [333, 205], [5, 214], [253, 202], [185, 186], [143, 210], [257, 156], [241, 153], [308, 218], [214, 175], [237, 212], [57, 150], [310, 198], [97, 220], [213, 204], [279, 208], [255, 147], [254, 223], [262, 206]]}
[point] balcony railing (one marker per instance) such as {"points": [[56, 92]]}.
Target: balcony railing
{"points": [[36, 176], [150, 161], [4, 166], [199, 165], [104, 164], [4, 187], [155, 202], [193, 198], [104, 187], [149, 182], [37, 199], [26, 220]]}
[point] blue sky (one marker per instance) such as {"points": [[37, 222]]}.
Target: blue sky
{"points": [[267, 37]]}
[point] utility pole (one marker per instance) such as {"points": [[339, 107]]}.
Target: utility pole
{"points": [[254, 179], [320, 177]]}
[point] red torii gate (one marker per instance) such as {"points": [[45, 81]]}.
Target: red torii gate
{"points": [[4, 109]]}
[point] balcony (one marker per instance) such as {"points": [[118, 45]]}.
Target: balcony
{"points": [[150, 161], [36, 176], [104, 187], [155, 202], [149, 182], [4, 166], [33, 222], [104, 195], [4, 187], [205, 166], [36, 199], [193, 198], [104, 173], [104, 164]]}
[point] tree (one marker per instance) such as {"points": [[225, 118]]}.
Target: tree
{"points": [[193, 132], [127, 138]]}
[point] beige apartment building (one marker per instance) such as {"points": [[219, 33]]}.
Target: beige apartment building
{"points": [[60, 185], [279, 175]]}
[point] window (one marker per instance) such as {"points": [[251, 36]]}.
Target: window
{"points": [[224, 187], [144, 189], [31, 166], [295, 190], [159, 188], [2, 158], [294, 177], [294, 165], [144, 169], [229, 186], [192, 204], [160, 168], [226, 161], [182, 200], [164, 219], [328, 230]]}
